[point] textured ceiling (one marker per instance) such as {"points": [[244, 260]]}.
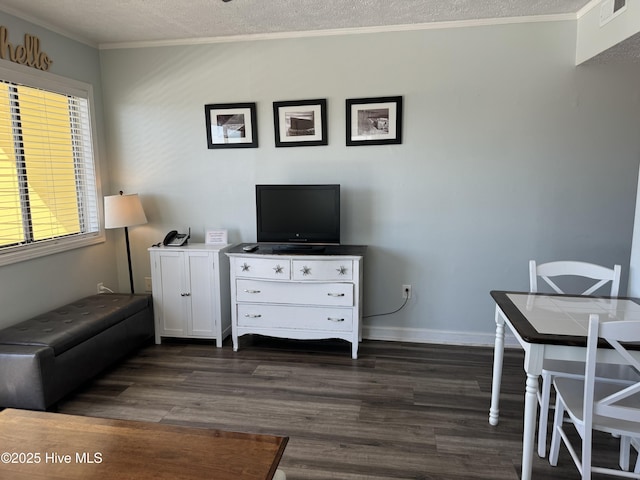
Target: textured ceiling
{"points": [[120, 22], [100, 22], [624, 52]]}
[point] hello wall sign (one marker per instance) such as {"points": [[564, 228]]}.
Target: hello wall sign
{"points": [[28, 54]]}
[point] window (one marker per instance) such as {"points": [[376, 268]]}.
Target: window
{"points": [[48, 183]]}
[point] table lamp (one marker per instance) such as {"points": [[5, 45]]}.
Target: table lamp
{"points": [[124, 211]]}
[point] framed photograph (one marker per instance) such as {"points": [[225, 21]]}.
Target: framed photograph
{"points": [[301, 123], [374, 121], [231, 125]]}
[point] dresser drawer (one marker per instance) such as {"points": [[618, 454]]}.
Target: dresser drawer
{"points": [[329, 294], [254, 267], [294, 317], [326, 270]]}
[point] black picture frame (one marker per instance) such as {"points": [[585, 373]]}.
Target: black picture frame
{"points": [[231, 125], [300, 123], [374, 121]]}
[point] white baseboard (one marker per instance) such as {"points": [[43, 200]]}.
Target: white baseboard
{"points": [[423, 335]]}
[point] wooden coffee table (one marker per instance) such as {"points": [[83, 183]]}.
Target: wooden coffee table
{"points": [[43, 445]]}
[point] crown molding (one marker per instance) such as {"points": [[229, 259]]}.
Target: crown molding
{"points": [[587, 8], [307, 33], [51, 28], [344, 31]]}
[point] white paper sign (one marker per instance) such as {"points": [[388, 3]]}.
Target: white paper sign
{"points": [[216, 237]]}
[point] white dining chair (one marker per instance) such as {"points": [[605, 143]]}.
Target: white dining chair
{"points": [[597, 277], [599, 274], [593, 404]]}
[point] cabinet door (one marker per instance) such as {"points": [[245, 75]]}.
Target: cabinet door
{"points": [[173, 312], [199, 267]]}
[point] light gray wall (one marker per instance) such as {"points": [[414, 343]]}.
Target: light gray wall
{"points": [[34, 286], [509, 153], [634, 263]]}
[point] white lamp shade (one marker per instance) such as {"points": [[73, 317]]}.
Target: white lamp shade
{"points": [[123, 211]]}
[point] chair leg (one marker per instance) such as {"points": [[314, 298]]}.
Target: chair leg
{"points": [[625, 447], [636, 444], [556, 437], [545, 395], [587, 435]]}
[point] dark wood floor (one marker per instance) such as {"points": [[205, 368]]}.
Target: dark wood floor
{"points": [[401, 411]]}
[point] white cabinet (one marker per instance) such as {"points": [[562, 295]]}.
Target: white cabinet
{"points": [[191, 292], [297, 296]]}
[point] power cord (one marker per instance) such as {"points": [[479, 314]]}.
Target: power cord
{"points": [[390, 313]]}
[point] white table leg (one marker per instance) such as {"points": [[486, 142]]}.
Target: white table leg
{"points": [[498, 355], [528, 436], [533, 356]]}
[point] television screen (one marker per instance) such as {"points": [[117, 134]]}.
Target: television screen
{"points": [[298, 213]]}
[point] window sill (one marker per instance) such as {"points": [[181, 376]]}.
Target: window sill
{"points": [[29, 252]]}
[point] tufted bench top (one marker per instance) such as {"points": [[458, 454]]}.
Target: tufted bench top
{"points": [[67, 326]]}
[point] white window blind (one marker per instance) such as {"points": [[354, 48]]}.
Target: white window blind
{"points": [[48, 185]]}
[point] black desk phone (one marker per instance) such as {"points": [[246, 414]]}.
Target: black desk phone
{"points": [[175, 239]]}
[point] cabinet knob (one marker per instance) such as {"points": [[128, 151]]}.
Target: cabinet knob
{"points": [[245, 267], [251, 291], [335, 294], [278, 269], [306, 270], [342, 270], [334, 319], [252, 315], [185, 294]]}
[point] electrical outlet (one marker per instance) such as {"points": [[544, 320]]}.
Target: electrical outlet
{"points": [[147, 284], [406, 291], [100, 287]]}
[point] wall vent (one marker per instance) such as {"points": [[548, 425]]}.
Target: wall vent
{"points": [[609, 9]]}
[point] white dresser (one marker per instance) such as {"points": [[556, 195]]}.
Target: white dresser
{"points": [[300, 296], [190, 289]]}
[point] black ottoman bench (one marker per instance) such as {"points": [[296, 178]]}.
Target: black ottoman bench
{"points": [[46, 357]]}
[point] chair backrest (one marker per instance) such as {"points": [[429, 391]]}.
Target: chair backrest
{"points": [[601, 275], [617, 404]]}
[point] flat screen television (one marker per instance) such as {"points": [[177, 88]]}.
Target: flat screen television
{"points": [[298, 214]]}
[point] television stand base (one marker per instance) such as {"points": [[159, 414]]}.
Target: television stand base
{"points": [[300, 295]]}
